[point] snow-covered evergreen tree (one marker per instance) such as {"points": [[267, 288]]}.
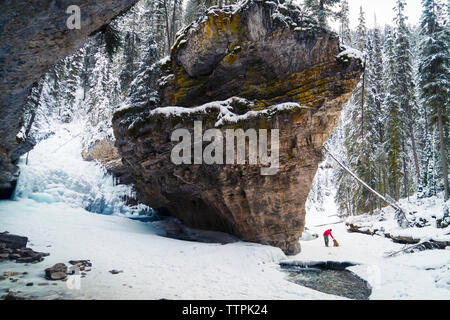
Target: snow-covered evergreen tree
{"points": [[131, 60], [361, 31], [142, 94], [194, 8], [404, 85], [434, 84], [322, 10], [393, 123], [344, 22]]}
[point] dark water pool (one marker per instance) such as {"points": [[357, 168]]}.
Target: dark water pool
{"points": [[338, 281]]}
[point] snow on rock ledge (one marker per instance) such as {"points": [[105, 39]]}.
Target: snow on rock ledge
{"points": [[255, 66]]}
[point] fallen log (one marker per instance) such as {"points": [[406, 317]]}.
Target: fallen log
{"points": [[357, 229], [400, 213], [407, 240], [426, 245]]}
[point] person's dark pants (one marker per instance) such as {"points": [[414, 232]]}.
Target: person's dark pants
{"points": [[326, 240]]}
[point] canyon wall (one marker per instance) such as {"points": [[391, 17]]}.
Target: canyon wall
{"points": [[33, 37]]}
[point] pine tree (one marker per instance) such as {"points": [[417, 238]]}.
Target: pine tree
{"points": [[393, 123], [375, 115], [169, 15], [361, 31], [142, 93], [347, 189], [131, 60], [322, 10], [428, 187], [434, 83], [72, 70], [112, 39], [344, 23], [403, 78], [193, 10]]}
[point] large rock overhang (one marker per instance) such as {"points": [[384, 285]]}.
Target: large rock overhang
{"points": [[251, 61]]}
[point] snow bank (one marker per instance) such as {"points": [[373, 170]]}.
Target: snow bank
{"points": [[154, 267], [424, 213]]}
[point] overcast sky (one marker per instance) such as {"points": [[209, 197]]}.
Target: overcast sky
{"points": [[383, 11]]}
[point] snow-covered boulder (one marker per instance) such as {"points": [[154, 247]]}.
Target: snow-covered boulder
{"points": [[256, 66]]}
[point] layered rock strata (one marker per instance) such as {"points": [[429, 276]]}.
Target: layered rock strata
{"points": [[258, 66]]}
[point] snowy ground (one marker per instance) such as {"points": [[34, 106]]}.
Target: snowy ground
{"points": [[154, 267], [421, 275], [426, 212], [49, 210]]}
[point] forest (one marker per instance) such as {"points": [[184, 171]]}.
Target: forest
{"points": [[362, 114], [393, 133]]}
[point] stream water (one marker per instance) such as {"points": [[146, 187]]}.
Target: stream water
{"points": [[331, 278]]}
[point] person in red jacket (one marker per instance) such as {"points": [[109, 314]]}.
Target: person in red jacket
{"points": [[326, 234]]}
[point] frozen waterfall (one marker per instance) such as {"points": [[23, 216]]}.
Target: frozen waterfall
{"points": [[55, 172]]}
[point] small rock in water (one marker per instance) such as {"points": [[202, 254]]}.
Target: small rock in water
{"points": [[25, 260], [57, 272], [10, 274], [114, 271], [13, 241], [4, 256], [85, 263], [29, 284], [79, 265], [57, 276], [12, 296], [13, 247]]}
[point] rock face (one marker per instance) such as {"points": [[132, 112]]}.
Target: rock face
{"points": [[33, 37], [105, 152], [272, 68]]}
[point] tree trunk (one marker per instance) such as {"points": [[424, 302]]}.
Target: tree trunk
{"points": [[405, 170], [388, 200], [363, 88], [166, 18], [30, 124], [174, 18], [443, 153], [413, 142]]}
